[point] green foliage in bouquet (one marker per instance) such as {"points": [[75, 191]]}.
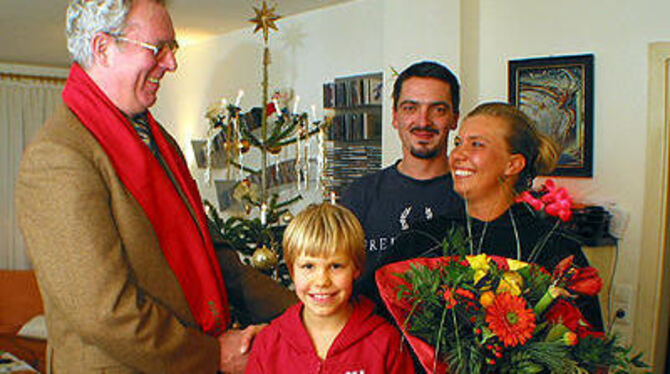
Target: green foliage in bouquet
{"points": [[609, 353], [487, 314]]}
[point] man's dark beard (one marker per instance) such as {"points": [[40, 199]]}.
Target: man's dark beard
{"points": [[426, 155]]}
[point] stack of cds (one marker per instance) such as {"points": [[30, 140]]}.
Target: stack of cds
{"points": [[347, 162]]}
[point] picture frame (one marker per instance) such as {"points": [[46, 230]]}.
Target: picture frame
{"points": [[557, 93]]}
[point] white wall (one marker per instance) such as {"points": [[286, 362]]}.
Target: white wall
{"points": [[426, 30], [618, 36]]}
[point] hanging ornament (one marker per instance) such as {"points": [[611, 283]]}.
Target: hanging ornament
{"points": [[305, 164], [287, 217], [245, 189], [275, 161], [240, 161], [274, 149], [264, 258], [244, 146], [298, 158]]}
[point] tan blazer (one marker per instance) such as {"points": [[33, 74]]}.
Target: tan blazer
{"points": [[111, 301]]}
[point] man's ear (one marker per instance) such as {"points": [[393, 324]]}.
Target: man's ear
{"points": [[100, 45], [454, 124], [515, 165], [394, 122]]}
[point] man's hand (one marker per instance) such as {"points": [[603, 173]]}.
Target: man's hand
{"points": [[235, 348]]}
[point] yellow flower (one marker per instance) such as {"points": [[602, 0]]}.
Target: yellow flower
{"points": [[570, 338], [486, 299], [480, 264], [511, 282], [515, 265]]}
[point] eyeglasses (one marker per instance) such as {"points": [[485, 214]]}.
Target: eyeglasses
{"points": [[159, 51]]}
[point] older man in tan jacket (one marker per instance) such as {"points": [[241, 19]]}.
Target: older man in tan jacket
{"points": [[113, 221]]}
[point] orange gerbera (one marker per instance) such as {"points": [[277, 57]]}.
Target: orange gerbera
{"points": [[510, 320]]}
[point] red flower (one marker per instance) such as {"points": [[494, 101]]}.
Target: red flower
{"points": [[587, 332], [555, 201], [465, 293], [449, 298], [525, 196], [558, 201], [500, 262], [569, 316], [271, 108], [563, 267], [585, 281], [510, 320]]}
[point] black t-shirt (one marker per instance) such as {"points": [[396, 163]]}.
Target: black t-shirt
{"points": [[388, 203]]}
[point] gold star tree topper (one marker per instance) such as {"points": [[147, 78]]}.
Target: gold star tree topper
{"points": [[265, 19]]}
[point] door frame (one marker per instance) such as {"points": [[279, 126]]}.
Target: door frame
{"points": [[650, 333]]}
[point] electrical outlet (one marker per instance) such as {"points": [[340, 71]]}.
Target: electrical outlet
{"points": [[622, 304], [622, 314]]}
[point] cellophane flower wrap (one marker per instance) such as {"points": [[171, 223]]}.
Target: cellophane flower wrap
{"points": [[488, 314]]}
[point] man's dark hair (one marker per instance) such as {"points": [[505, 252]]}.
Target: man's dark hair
{"points": [[429, 69]]}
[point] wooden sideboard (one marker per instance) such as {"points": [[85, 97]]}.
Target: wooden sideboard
{"points": [[603, 258]]}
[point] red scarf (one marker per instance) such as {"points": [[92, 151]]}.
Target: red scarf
{"points": [[186, 244]]}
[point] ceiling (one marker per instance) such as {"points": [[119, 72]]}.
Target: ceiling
{"points": [[33, 32]]}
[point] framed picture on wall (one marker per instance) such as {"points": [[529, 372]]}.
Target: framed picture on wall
{"points": [[557, 93]]}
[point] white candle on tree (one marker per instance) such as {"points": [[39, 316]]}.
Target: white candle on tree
{"points": [[264, 214], [295, 104]]}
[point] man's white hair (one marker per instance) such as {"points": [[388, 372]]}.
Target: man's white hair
{"points": [[85, 18]]}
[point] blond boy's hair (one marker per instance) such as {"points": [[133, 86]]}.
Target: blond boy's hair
{"points": [[321, 230]]}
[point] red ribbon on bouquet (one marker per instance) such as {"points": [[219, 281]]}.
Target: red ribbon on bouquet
{"points": [[388, 282]]}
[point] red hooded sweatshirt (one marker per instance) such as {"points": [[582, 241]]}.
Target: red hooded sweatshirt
{"points": [[367, 344]]}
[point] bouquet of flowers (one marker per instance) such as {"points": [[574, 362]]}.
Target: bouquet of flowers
{"points": [[487, 314]]}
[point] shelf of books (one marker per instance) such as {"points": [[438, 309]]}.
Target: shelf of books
{"points": [[354, 138]]}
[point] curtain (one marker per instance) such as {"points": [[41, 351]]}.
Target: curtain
{"points": [[25, 103]]}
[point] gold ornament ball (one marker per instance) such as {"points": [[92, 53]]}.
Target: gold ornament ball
{"points": [[264, 258], [286, 217], [244, 146]]}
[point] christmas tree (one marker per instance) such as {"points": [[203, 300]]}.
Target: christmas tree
{"points": [[233, 133]]}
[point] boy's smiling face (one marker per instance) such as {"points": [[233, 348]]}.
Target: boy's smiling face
{"points": [[324, 285]]}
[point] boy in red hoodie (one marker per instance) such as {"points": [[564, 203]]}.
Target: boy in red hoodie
{"points": [[327, 331]]}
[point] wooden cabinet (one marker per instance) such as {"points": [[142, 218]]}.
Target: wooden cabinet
{"points": [[603, 258]]}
